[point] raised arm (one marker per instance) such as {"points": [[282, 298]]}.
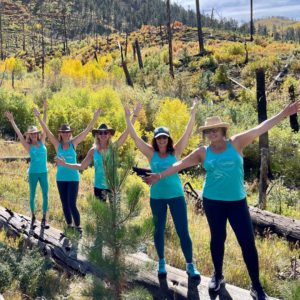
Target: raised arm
{"points": [[85, 163], [240, 141], [10, 117], [53, 139], [80, 137], [123, 137], [43, 135], [146, 149], [192, 159], [182, 143]]}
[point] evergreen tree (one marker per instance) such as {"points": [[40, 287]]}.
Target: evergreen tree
{"points": [[112, 226]]}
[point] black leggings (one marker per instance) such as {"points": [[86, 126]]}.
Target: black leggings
{"points": [[68, 191], [237, 212], [101, 194]]}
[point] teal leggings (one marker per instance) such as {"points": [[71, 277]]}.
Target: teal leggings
{"points": [[33, 180], [178, 211]]}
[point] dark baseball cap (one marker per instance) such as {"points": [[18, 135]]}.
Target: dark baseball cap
{"points": [[161, 131]]}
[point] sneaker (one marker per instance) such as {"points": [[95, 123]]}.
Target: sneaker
{"points": [[192, 271], [215, 283], [33, 222], [258, 293], [79, 230], [161, 269], [45, 224]]}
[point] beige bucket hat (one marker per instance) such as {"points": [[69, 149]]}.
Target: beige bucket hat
{"points": [[32, 129], [214, 122]]}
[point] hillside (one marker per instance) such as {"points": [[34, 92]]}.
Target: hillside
{"points": [[278, 22]]}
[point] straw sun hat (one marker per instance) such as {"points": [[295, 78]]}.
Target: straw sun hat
{"points": [[214, 122], [32, 129]]}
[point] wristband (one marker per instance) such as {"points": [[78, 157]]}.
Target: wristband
{"points": [[135, 116]]}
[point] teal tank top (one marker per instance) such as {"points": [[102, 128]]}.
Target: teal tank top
{"points": [[38, 158], [100, 180], [224, 175], [168, 187], [64, 173]]}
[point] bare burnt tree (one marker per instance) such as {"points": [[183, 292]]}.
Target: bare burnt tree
{"points": [[251, 21], [170, 39], [293, 119], [43, 45], [1, 34], [200, 34]]}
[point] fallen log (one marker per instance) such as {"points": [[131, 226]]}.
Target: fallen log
{"points": [[281, 73], [14, 158], [236, 82], [176, 285], [262, 220]]}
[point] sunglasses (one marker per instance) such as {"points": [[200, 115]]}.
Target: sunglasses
{"points": [[103, 132], [164, 137], [213, 130]]}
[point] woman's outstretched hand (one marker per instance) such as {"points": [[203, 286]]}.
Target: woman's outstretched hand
{"points": [[9, 116], [138, 108], [97, 112], [127, 111], [59, 161], [45, 106], [194, 107], [291, 108], [36, 111], [151, 179]]}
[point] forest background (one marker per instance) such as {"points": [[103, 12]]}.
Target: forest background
{"points": [[67, 53]]}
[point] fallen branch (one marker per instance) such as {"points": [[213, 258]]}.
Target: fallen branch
{"points": [[11, 158], [236, 82]]}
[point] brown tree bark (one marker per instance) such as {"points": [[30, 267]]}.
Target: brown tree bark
{"points": [[170, 39], [200, 34]]}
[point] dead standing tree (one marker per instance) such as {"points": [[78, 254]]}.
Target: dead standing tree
{"points": [[1, 35], [170, 39], [262, 113], [293, 118], [251, 21], [200, 34], [43, 46], [124, 65]]}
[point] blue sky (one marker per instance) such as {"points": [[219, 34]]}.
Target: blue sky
{"points": [[240, 9]]}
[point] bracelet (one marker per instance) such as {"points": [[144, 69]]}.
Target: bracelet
{"points": [[135, 116], [159, 175]]}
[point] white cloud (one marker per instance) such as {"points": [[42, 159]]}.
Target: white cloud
{"points": [[240, 9]]}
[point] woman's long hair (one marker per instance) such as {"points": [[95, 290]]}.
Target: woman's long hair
{"points": [[170, 146]]}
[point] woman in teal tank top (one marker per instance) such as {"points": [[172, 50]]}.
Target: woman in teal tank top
{"points": [[34, 144], [102, 136], [68, 180], [161, 154], [224, 195]]}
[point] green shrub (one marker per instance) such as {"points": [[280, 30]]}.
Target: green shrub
{"points": [[21, 109], [221, 75], [208, 62]]}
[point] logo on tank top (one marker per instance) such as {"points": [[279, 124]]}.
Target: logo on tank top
{"points": [[221, 166], [160, 166], [98, 166]]}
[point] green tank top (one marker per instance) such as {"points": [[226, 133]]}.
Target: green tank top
{"points": [[64, 173], [38, 156], [224, 175], [168, 187], [100, 180]]}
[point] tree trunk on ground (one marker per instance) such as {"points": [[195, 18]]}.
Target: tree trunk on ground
{"points": [[170, 39], [200, 34], [262, 112], [52, 242]]}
